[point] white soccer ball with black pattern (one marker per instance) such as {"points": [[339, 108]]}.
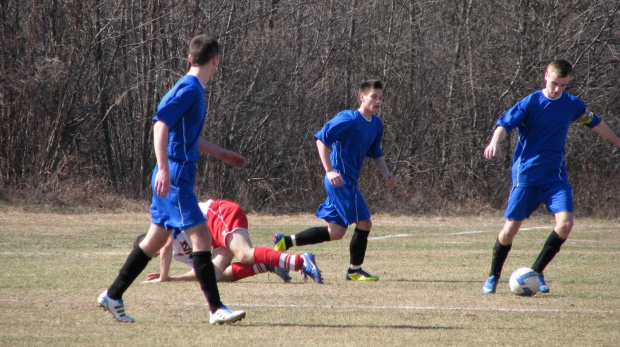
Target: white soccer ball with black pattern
{"points": [[524, 282]]}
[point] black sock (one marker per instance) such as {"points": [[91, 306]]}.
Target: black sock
{"points": [[500, 253], [550, 249], [205, 273], [357, 248], [288, 242], [310, 236], [135, 263]]}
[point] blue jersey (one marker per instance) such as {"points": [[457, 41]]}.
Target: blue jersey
{"points": [[183, 109], [542, 125], [351, 138]]}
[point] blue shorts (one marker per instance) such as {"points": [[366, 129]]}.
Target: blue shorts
{"points": [[558, 197], [344, 205], [179, 209]]}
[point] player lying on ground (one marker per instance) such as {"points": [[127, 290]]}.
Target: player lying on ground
{"points": [[228, 226]]}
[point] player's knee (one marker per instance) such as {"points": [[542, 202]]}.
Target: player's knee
{"points": [[246, 256], [507, 235], [365, 225], [336, 232], [564, 228]]}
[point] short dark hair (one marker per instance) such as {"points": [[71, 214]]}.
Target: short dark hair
{"points": [[369, 85], [139, 239], [561, 67], [202, 49]]}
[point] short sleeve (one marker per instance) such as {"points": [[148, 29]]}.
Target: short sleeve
{"points": [[514, 116], [334, 130], [175, 107]]}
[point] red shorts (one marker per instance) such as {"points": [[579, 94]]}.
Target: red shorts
{"points": [[224, 217]]}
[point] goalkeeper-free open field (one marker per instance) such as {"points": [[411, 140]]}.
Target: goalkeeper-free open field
{"points": [[53, 267]]}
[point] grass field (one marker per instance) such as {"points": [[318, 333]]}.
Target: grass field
{"points": [[431, 269]]}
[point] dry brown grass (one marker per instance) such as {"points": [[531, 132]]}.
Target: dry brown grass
{"points": [[54, 266]]}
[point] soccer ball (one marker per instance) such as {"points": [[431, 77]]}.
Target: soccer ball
{"points": [[524, 282]]}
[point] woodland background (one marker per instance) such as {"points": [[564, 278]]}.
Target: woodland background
{"points": [[80, 81]]}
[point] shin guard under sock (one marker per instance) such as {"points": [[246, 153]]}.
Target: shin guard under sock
{"points": [[357, 248], [278, 259], [241, 271], [205, 273], [134, 265], [550, 249], [312, 236], [500, 253]]}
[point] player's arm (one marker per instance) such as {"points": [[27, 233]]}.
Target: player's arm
{"points": [[334, 177], [604, 131], [186, 277], [165, 259], [594, 122], [228, 157], [189, 276], [164, 264], [493, 149], [380, 163], [160, 141]]}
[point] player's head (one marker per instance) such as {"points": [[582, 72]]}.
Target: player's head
{"points": [[370, 95], [369, 85], [560, 67], [557, 75], [202, 49]]}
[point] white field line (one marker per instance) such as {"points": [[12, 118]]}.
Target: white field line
{"points": [[79, 255], [417, 308], [388, 236], [451, 234], [370, 238]]}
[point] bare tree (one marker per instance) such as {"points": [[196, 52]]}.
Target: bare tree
{"points": [[80, 82]]}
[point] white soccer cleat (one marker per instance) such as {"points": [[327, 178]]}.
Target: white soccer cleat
{"points": [[224, 315], [115, 307]]}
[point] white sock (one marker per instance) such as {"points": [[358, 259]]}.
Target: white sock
{"points": [[293, 241], [260, 268]]}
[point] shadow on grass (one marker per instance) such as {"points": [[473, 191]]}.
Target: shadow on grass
{"points": [[365, 326]]}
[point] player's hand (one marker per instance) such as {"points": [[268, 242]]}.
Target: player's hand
{"points": [[152, 278], [391, 180], [335, 179], [155, 277], [162, 183], [492, 150], [234, 159]]}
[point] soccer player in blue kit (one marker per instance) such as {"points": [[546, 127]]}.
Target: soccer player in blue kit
{"points": [[343, 143], [176, 136], [538, 169]]}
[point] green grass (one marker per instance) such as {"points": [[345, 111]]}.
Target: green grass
{"points": [[431, 269]]}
